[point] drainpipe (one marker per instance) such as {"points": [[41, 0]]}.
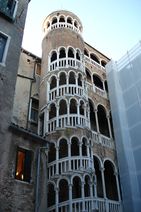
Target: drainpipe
{"points": [[45, 151]]}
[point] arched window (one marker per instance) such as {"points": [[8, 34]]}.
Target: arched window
{"points": [[53, 82], [63, 190], [61, 19], [73, 106], [97, 81], [53, 56], [110, 181], [76, 24], [54, 20], [69, 20], [86, 52], [87, 186], [81, 108], [71, 53], [51, 153], [62, 79], [88, 75], [94, 57], [92, 116], [52, 111], [48, 24], [71, 78], [62, 53], [74, 146], [103, 63], [51, 195], [102, 120], [79, 80], [63, 148], [78, 55], [97, 168], [62, 107], [76, 188], [84, 147]]}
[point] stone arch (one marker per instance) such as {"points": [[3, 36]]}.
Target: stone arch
{"points": [[53, 56], [72, 77], [62, 78], [76, 23], [87, 186], [103, 63], [88, 75], [71, 52], [69, 20], [80, 79], [61, 18], [62, 52], [86, 52], [84, 146], [81, 107], [54, 20], [78, 54]]}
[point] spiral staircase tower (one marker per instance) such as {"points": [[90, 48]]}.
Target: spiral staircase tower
{"points": [[65, 116]]}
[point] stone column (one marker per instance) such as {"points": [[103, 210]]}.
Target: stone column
{"points": [[109, 125], [57, 115], [117, 184], [57, 159], [57, 199], [70, 197]]}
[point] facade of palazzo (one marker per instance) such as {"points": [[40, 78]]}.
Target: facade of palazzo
{"points": [[58, 151]]}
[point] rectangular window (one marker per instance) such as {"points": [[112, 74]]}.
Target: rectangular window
{"points": [[8, 8], [3, 41], [34, 110], [23, 165]]}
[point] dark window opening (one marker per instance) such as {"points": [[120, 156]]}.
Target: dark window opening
{"points": [[84, 147], [3, 41], [81, 108], [62, 53], [87, 186], [78, 55], [54, 21], [53, 83], [69, 20], [48, 25], [62, 19], [102, 120], [70, 53], [88, 75], [53, 56], [51, 195], [71, 78], [76, 188], [80, 80], [97, 81], [74, 146], [86, 52], [106, 86], [75, 24], [23, 165], [63, 148], [98, 177], [93, 57], [52, 112], [73, 106], [63, 190], [51, 153], [8, 7], [110, 181], [42, 124], [103, 63], [62, 107], [62, 80], [92, 116], [34, 110]]}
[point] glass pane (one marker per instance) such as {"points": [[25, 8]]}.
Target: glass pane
{"points": [[3, 40]]}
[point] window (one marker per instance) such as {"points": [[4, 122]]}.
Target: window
{"points": [[23, 165], [8, 8], [3, 41], [34, 110]]}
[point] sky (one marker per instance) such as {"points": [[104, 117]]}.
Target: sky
{"points": [[111, 26]]}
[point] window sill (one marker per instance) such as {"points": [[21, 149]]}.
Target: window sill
{"points": [[24, 182]]}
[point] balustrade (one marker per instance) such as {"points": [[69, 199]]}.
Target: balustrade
{"points": [[89, 206], [65, 63]]}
